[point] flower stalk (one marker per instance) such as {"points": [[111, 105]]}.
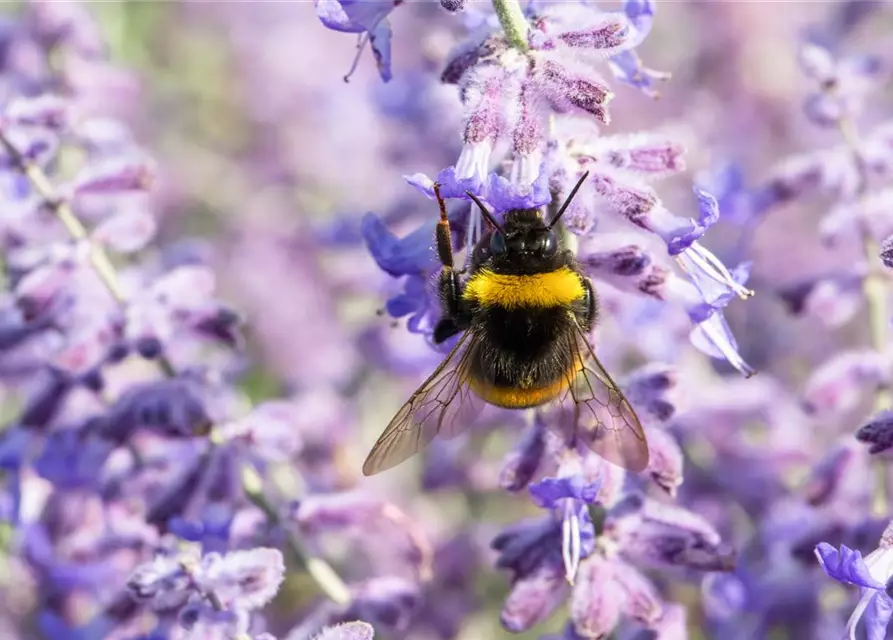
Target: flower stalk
{"points": [[875, 291], [513, 22], [319, 570], [60, 207]]}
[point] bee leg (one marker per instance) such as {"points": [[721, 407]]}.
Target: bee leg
{"points": [[446, 328], [444, 238], [456, 317], [589, 315]]}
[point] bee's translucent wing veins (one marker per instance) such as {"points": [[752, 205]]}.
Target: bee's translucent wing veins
{"points": [[443, 405], [602, 418]]}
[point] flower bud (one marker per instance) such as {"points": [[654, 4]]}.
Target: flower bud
{"points": [[113, 177], [453, 6], [596, 603], [42, 111], [348, 631], [567, 91], [878, 432], [607, 35], [887, 252], [173, 408], [244, 579], [521, 465], [533, 599]]}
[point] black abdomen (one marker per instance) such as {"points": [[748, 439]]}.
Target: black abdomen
{"points": [[523, 348]]}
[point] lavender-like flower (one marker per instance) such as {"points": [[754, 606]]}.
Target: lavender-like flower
{"points": [[184, 413], [872, 574], [368, 19]]}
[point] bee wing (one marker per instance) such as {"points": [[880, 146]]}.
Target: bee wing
{"points": [[602, 417], [443, 405]]}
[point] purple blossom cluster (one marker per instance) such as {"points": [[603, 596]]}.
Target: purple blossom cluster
{"points": [[186, 413], [535, 104], [142, 493], [537, 111]]}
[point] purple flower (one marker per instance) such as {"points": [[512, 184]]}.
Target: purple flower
{"points": [[641, 15], [650, 388], [664, 535], [570, 90], [626, 65], [389, 601], [837, 385], [827, 475], [242, 579], [354, 16], [72, 459], [43, 405], [367, 18], [411, 255], [126, 232], [348, 631], [532, 599], [114, 177], [878, 432], [570, 494], [711, 333], [486, 89], [503, 195], [871, 574], [833, 299], [595, 609], [272, 430], [170, 407], [843, 84], [887, 252], [521, 465], [164, 582], [708, 215], [49, 111], [665, 461], [640, 154]]}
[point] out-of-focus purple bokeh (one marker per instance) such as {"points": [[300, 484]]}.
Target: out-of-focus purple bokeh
{"points": [[183, 460]]}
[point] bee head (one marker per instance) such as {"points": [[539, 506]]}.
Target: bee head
{"points": [[523, 243], [529, 243], [518, 249]]}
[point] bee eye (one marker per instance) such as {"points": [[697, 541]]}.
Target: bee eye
{"points": [[497, 243], [550, 243]]}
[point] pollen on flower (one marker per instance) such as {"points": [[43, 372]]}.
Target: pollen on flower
{"points": [[249, 578]]}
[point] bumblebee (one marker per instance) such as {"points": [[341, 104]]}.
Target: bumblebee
{"points": [[524, 309]]}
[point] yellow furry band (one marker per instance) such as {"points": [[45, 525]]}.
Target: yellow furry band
{"points": [[556, 288]]}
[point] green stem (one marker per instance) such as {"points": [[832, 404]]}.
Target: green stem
{"points": [[321, 571], [44, 188], [875, 290], [513, 22]]}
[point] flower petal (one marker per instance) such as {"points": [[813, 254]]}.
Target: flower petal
{"points": [[549, 491], [380, 42], [846, 565]]}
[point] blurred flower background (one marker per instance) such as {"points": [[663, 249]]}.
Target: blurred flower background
{"points": [[217, 292]]}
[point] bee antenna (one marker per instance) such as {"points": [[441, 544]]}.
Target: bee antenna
{"points": [[569, 198], [489, 216]]}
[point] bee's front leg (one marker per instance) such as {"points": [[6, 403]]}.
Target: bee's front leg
{"points": [[456, 317]]}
